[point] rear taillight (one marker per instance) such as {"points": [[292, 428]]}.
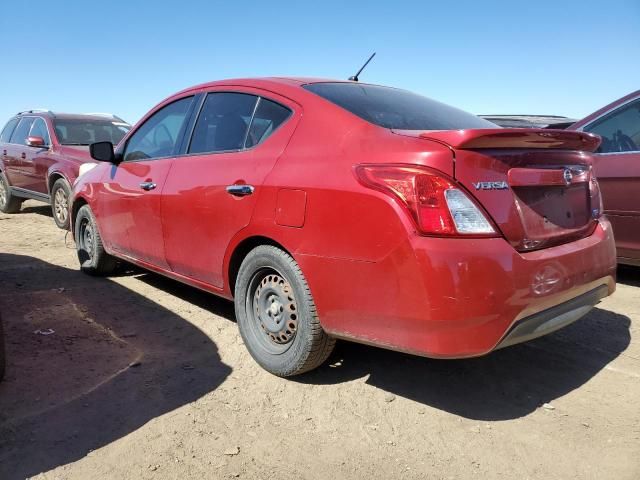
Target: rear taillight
{"points": [[437, 205]]}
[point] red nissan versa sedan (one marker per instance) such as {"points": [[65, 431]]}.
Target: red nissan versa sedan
{"points": [[331, 209], [617, 166]]}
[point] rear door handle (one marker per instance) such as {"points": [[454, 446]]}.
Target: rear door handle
{"points": [[23, 156], [148, 186], [240, 190]]}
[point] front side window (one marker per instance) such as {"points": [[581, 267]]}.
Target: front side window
{"points": [[8, 130], [223, 122], [398, 109], [21, 132], [80, 131], [39, 129], [620, 130], [159, 135]]}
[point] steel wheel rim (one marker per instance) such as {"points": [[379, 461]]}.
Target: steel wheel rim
{"points": [[86, 237], [61, 205], [272, 310]]}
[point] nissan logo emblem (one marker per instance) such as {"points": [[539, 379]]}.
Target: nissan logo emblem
{"points": [[567, 175]]}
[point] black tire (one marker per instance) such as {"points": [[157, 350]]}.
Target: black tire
{"points": [[60, 194], [2, 354], [276, 314], [8, 203], [93, 258]]}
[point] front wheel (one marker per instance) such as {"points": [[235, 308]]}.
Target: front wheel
{"points": [[60, 193], [8, 203], [276, 314], [93, 258]]}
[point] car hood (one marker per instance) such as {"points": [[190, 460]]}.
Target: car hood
{"points": [[79, 153]]}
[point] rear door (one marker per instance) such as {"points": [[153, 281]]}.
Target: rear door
{"points": [[211, 191], [129, 205], [617, 167], [5, 145]]}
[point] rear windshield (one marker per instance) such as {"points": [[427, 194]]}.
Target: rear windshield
{"points": [[86, 132], [398, 109]]}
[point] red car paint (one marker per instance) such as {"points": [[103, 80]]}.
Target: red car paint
{"points": [[374, 275], [618, 173]]}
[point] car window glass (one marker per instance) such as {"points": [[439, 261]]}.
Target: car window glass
{"points": [[8, 130], [223, 122], [85, 131], [39, 129], [620, 130], [21, 132], [159, 134], [394, 108], [268, 117]]}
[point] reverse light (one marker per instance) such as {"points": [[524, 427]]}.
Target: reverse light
{"points": [[436, 204]]}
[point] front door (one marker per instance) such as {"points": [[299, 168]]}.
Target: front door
{"points": [[211, 190], [129, 216], [617, 167]]}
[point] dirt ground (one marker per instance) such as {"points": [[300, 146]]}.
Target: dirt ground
{"points": [[143, 378]]}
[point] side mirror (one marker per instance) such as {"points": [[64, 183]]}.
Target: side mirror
{"points": [[37, 142], [102, 151]]}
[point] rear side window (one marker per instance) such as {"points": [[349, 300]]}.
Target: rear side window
{"points": [[268, 117], [21, 132], [223, 122], [39, 129], [159, 134], [620, 130], [8, 130], [398, 109]]}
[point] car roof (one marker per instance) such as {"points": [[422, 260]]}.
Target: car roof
{"points": [[611, 106], [72, 116]]}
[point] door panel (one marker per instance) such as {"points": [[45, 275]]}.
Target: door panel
{"points": [[200, 217], [129, 215], [619, 178]]}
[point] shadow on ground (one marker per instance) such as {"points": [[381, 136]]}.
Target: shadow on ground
{"points": [[628, 275], [503, 385], [40, 209], [115, 361]]}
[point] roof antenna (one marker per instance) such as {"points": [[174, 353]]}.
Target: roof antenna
{"points": [[355, 77]]}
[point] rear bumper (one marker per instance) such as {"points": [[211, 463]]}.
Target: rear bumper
{"points": [[553, 318], [454, 298]]}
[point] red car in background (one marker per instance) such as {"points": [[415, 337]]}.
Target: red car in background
{"points": [[41, 153], [616, 164], [331, 209]]}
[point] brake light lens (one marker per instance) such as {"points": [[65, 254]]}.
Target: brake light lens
{"points": [[436, 204]]}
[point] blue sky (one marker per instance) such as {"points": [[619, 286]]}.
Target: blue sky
{"points": [[540, 57]]}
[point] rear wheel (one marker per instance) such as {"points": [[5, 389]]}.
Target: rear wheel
{"points": [[276, 314], [93, 258], [60, 193], [8, 202]]}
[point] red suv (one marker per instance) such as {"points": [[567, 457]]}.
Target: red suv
{"points": [[331, 209], [41, 154], [617, 165]]}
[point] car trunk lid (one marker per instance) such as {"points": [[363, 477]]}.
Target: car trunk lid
{"points": [[535, 184]]}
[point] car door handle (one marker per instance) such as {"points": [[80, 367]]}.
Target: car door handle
{"points": [[240, 190], [23, 156], [148, 186]]}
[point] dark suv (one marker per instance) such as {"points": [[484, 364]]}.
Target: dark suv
{"points": [[41, 153]]}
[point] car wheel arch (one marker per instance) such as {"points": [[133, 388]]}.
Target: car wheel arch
{"points": [[241, 250], [54, 177]]}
